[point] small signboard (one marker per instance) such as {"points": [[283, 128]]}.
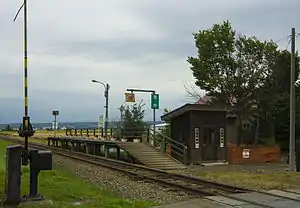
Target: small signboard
{"points": [[197, 145], [246, 153], [55, 113], [221, 137], [154, 101], [130, 97]]}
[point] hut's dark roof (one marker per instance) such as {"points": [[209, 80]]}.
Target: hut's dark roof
{"points": [[192, 107]]}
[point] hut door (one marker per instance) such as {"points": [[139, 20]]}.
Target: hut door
{"points": [[209, 145]]}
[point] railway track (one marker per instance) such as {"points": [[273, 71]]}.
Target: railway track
{"points": [[191, 185]]}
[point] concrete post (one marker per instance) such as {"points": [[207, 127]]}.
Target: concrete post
{"points": [[13, 174]]}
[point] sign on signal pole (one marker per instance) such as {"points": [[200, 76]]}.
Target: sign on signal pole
{"points": [[100, 122], [154, 101], [54, 125], [130, 97]]}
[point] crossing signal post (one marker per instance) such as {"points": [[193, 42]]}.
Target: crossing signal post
{"points": [[55, 113], [39, 160]]}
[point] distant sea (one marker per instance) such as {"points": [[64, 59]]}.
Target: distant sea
{"points": [[76, 125]]}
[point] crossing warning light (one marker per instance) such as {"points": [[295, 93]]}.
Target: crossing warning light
{"points": [[130, 97]]}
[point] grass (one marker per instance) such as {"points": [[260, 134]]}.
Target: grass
{"points": [[262, 181], [64, 189], [257, 177]]}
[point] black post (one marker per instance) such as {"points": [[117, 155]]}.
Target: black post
{"points": [[33, 192], [13, 174]]}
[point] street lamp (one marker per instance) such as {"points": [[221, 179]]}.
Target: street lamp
{"points": [[106, 87]]}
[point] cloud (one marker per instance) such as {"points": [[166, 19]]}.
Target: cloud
{"points": [[138, 44]]}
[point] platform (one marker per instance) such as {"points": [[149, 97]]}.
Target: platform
{"points": [[278, 199], [141, 152]]}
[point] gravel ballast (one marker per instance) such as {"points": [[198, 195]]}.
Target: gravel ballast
{"points": [[125, 186]]}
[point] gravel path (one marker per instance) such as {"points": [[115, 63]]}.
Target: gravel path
{"points": [[124, 185]]}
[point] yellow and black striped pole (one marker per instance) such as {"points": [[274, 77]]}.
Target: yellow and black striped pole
{"points": [[25, 60], [26, 129]]}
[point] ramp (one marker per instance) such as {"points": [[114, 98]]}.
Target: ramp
{"points": [[149, 156]]}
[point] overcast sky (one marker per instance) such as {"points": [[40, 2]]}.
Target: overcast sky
{"points": [[127, 43]]}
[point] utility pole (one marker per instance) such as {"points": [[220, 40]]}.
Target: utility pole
{"points": [[292, 153]]}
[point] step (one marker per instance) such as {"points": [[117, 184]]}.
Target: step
{"points": [[150, 156]]}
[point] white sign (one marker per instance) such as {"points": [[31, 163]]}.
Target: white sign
{"points": [[246, 153], [100, 122], [221, 137], [197, 138], [55, 125]]}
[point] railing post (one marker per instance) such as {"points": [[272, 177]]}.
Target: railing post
{"points": [[148, 135], [71, 132], [111, 132], [185, 155], [163, 144], [94, 132], [66, 132], [102, 133], [76, 132], [87, 132], [81, 132]]}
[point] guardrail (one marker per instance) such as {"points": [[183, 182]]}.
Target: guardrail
{"points": [[116, 133]]}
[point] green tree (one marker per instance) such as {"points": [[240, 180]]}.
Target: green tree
{"points": [[229, 67], [132, 120], [274, 100]]}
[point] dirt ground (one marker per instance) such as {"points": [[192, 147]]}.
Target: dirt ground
{"points": [[263, 176]]}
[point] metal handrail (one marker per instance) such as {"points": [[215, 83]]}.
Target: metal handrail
{"points": [[177, 148]]}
